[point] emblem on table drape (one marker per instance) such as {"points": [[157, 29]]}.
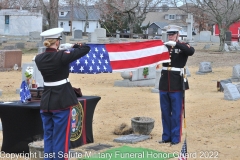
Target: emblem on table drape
{"points": [[77, 122]]}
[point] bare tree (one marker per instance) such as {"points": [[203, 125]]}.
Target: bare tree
{"points": [[221, 12], [51, 12], [133, 11]]}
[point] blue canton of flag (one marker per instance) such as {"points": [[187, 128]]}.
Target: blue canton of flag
{"points": [[24, 92], [96, 61], [183, 154]]}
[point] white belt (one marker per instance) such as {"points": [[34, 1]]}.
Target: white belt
{"points": [[57, 83], [172, 69], [181, 70]]}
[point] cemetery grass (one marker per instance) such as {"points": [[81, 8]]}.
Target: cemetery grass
{"points": [[212, 123]]}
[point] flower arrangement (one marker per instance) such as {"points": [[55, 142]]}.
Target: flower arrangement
{"points": [[29, 72], [145, 72]]}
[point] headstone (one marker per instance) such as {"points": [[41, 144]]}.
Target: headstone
{"points": [[37, 76], [9, 47], [205, 36], [8, 58], [207, 46], [223, 83], [238, 87], [236, 73], [117, 35], [164, 37], [236, 45], [158, 76], [77, 34], [215, 39], [131, 138], [144, 73], [232, 48], [34, 36], [0, 92], [231, 92], [92, 37], [101, 32], [226, 47], [205, 67], [20, 45], [189, 22], [63, 39], [41, 50], [228, 39]]}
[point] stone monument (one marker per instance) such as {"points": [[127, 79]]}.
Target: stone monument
{"points": [[204, 67], [236, 73], [142, 77], [231, 92]]}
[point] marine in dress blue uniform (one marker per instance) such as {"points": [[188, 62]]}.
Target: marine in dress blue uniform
{"points": [[172, 84], [58, 96]]}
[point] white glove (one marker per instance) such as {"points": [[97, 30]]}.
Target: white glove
{"points": [[65, 46], [170, 43]]}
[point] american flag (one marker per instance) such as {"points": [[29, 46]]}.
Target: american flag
{"points": [[119, 57], [25, 94], [183, 154]]}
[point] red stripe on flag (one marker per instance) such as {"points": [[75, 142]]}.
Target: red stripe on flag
{"points": [[132, 46], [133, 63]]}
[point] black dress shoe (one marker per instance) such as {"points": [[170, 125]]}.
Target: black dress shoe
{"points": [[162, 141], [174, 143]]}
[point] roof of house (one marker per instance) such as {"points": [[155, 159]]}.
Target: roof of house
{"points": [[160, 24], [152, 17], [79, 13]]}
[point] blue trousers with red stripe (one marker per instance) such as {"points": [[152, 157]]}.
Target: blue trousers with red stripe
{"points": [[171, 108], [57, 131]]}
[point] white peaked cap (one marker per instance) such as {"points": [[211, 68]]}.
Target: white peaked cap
{"points": [[172, 28], [52, 33]]}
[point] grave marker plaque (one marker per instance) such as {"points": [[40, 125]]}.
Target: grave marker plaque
{"points": [[231, 92]]}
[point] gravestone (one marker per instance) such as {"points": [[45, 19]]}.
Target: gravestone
{"points": [[226, 47], [235, 44], [92, 37], [236, 73], [164, 37], [77, 34], [101, 32], [232, 48], [228, 38], [223, 83], [37, 76], [8, 58], [41, 50], [238, 87], [131, 138], [204, 67], [207, 46], [0, 92], [34, 36], [20, 45], [231, 92], [9, 47], [142, 77], [158, 76], [205, 36], [63, 39]]}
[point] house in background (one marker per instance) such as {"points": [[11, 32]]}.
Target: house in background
{"points": [[77, 16], [234, 29], [19, 22], [166, 16]]}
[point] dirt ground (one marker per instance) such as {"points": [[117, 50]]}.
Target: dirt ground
{"points": [[212, 123]]}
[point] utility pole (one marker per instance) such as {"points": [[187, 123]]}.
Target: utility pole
{"points": [[71, 18]]}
